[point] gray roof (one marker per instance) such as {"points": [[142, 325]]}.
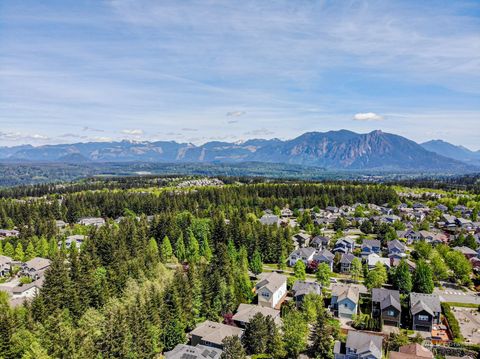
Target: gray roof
{"points": [[269, 219], [5, 260], [182, 351], [272, 281], [371, 243], [245, 312], [301, 287], [320, 240], [324, 255], [424, 302], [386, 298], [342, 291], [38, 263], [213, 332], [365, 342], [304, 252], [347, 258], [465, 250], [396, 244]]}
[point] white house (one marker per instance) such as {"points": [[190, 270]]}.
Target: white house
{"points": [[271, 289]]}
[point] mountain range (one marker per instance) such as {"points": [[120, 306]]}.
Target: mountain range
{"points": [[337, 150]]}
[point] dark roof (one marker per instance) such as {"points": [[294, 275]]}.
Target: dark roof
{"points": [[365, 342], [301, 287], [371, 243], [429, 303], [386, 298], [347, 258]]}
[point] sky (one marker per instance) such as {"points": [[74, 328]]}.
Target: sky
{"points": [[196, 71]]}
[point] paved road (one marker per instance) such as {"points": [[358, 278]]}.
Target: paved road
{"points": [[457, 295]]}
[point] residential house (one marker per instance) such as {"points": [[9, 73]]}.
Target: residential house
{"points": [[301, 288], [301, 240], [302, 254], [271, 289], [427, 236], [371, 246], [410, 235], [182, 351], [35, 267], [212, 334], [359, 345], [396, 249], [324, 256], [464, 224], [411, 351], [442, 208], [346, 262], [425, 310], [344, 245], [91, 221], [344, 301], [75, 240], [286, 212], [5, 265], [269, 219], [466, 251], [9, 233], [60, 224], [386, 306], [246, 312], [332, 209], [320, 242], [390, 219], [449, 222], [374, 258]]}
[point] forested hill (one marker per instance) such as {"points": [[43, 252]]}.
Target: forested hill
{"points": [[115, 297], [333, 150]]}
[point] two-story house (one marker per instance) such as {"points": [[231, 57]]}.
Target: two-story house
{"points": [[425, 310], [324, 256], [302, 254], [359, 345], [35, 267], [344, 301], [301, 288], [271, 289], [344, 245], [386, 306], [212, 334], [370, 246], [301, 240], [396, 249], [320, 242], [246, 312], [346, 262]]}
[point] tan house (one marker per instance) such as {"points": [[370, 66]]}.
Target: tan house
{"points": [[271, 289]]}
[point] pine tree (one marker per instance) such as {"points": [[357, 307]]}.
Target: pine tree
{"points": [[30, 253], [52, 248], [166, 251], [9, 251], [356, 270], [205, 250], [256, 335], [295, 333], [42, 247], [19, 254], [256, 264], [193, 251], [232, 348], [402, 278], [180, 251], [325, 333]]}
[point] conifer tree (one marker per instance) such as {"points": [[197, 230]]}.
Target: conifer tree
{"points": [[180, 251], [205, 250], [166, 251], [9, 251], [423, 281], [30, 253], [19, 254], [193, 251], [299, 270], [402, 278], [256, 264], [233, 349]]}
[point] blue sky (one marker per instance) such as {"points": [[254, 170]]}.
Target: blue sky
{"points": [[195, 71]]}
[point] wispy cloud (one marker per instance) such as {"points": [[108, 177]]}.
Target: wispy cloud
{"points": [[133, 132]]}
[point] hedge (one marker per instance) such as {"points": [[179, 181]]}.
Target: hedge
{"points": [[452, 321]]}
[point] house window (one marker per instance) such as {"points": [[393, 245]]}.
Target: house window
{"points": [[345, 305], [266, 294], [423, 317], [390, 313]]}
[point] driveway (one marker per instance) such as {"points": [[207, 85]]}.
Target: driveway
{"points": [[469, 321]]}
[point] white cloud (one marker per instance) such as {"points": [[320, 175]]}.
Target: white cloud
{"points": [[16, 136], [133, 132], [235, 113], [367, 116]]}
